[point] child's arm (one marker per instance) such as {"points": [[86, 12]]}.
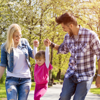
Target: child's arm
{"points": [[35, 50], [47, 56], [35, 44]]}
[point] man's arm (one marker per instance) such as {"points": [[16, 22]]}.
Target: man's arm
{"points": [[56, 47], [60, 48], [98, 75], [95, 47], [51, 44], [99, 66]]}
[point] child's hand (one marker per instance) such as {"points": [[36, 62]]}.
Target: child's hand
{"points": [[47, 42], [36, 43]]}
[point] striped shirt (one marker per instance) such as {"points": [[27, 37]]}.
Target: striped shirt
{"points": [[84, 49]]}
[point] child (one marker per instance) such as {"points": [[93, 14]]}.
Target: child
{"points": [[41, 71]]}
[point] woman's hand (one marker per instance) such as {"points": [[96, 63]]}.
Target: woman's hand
{"points": [[36, 43]]}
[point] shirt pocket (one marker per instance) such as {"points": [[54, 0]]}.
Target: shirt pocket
{"points": [[84, 47], [71, 48]]}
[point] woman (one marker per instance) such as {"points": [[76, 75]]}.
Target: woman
{"points": [[14, 55]]}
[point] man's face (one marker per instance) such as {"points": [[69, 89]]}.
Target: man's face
{"points": [[67, 28]]}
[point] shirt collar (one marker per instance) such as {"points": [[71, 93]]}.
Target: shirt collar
{"points": [[80, 30]]}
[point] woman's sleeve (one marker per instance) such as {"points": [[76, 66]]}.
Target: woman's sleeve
{"points": [[30, 50], [3, 62]]}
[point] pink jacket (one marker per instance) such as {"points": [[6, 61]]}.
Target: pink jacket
{"points": [[41, 73]]}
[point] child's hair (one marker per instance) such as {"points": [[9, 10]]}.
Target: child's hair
{"points": [[40, 54]]}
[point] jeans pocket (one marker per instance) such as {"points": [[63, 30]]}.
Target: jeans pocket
{"points": [[7, 78]]}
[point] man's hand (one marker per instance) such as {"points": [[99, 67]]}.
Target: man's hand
{"points": [[98, 82], [36, 43], [47, 42]]}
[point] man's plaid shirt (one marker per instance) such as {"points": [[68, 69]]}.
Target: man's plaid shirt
{"points": [[83, 54]]}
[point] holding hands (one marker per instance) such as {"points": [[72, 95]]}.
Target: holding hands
{"points": [[47, 42]]}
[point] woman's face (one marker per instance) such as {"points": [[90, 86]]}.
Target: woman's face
{"points": [[16, 37]]}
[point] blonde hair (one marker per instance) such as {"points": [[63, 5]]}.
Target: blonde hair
{"points": [[40, 54], [11, 30]]}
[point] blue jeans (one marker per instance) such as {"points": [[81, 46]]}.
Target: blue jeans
{"points": [[17, 87], [72, 87]]}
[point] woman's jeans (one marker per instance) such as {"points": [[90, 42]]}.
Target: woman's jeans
{"points": [[17, 87], [79, 89]]}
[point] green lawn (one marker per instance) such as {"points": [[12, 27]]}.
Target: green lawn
{"points": [[95, 90], [33, 86], [3, 90]]}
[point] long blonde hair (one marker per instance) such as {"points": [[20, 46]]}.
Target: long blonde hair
{"points": [[11, 30]]}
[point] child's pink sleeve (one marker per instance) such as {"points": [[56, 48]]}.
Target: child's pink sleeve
{"points": [[50, 66]]}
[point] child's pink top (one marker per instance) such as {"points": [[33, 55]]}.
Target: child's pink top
{"points": [[41, 73]]}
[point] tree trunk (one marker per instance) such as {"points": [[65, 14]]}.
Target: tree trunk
{"points": [[59, 73]]}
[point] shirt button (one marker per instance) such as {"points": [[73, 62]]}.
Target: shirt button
{"points": [[75, 56]]}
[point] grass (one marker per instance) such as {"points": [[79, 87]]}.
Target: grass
{"points": [[95, 90], [57, 81], [3, 89], [33, 86]]}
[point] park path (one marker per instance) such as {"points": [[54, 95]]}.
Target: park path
{"points": [[54, 92]]}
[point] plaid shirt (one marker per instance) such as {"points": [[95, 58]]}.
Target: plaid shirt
{"points": [[83, 54]]}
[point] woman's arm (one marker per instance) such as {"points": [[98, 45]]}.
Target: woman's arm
{"points": [[4, 61], [2, 69]]}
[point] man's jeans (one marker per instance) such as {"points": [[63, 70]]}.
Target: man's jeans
{"points": [[17, 87], [79, 89]]}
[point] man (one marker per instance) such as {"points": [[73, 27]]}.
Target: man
{"points": [[83, 44]]}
